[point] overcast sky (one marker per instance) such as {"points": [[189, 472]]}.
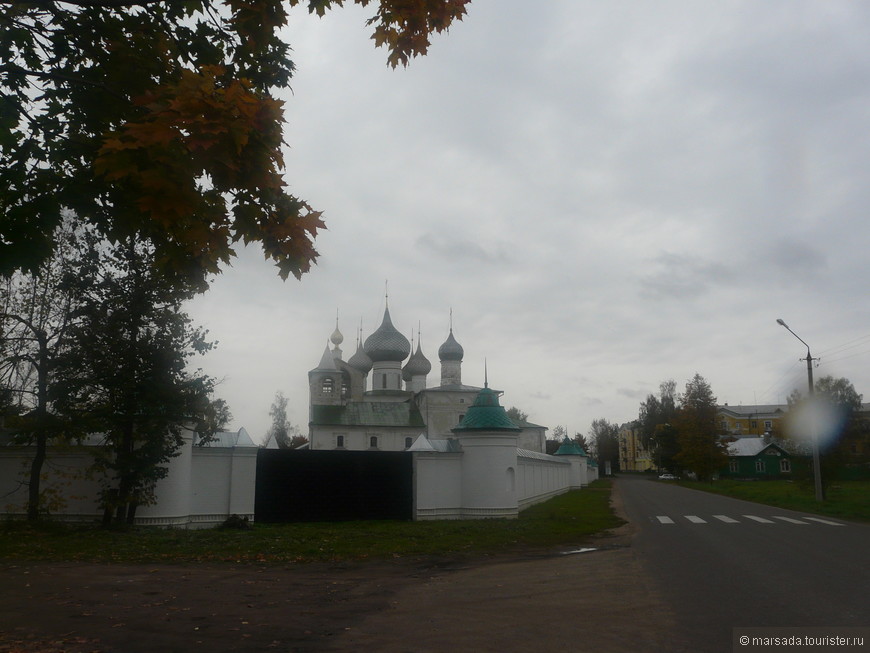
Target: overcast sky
{"points": [[608, 195]]}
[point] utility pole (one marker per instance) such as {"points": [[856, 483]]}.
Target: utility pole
{"points": [[817, 465]]}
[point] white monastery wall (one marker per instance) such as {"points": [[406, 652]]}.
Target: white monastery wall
{"points": [[438, 485], [488, 478], [172, 492], [540, 477], [68, 492], [223, 484], [205, 485]]}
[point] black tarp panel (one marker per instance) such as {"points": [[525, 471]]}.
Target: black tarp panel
{"points": [[333, 485]]}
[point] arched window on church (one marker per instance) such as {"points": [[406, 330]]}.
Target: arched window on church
{"points": [[328, 386]]}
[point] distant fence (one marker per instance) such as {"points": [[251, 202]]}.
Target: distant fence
{"points": [[333, 485], [540, 477]]}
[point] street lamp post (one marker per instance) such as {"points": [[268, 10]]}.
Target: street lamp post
{"points": [[817, 466]]}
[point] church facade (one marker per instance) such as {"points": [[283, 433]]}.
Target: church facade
{"points": [[379, 399]]}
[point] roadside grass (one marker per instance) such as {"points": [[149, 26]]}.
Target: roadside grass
{"points": [[566, 520], [844, 499]]}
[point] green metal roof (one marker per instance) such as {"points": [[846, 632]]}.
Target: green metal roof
{"points": [[569, 448], [369, 413], [486, 415]]}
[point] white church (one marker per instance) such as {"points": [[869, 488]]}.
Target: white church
{"points": [[470, 460], [373, 402]]}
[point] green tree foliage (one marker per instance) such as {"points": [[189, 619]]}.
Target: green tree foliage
{"points": [[666, 447], [581, 441], [700, 449], [36, 313], [654, 421], [604, 442], [554, 441], [159, 120], [125, 372], [516, 415], [841, 393], [214, 418]]}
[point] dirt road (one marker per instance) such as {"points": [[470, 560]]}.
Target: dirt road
{"points": [[545, 601]]}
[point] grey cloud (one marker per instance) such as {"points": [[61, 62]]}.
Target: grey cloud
{"points": [[589, 402], [632, 393], [456, 249], [795, 258], [676, 276]]}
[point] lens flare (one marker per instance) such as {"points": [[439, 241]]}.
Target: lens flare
{"points": [[816, 418]]}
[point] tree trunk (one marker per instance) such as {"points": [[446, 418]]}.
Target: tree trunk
{"points": [[131, 512], [111, 496], [36, 477], [41, 434]]}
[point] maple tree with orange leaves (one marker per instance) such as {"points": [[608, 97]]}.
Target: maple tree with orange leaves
{"points": [[158, 119]]}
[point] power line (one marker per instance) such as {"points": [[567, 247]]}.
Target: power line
{"points": [[851, 344], [842, 358], [780, 382]]}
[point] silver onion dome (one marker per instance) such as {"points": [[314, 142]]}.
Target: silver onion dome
{"points": [[418, 364], [450, 350], [360, 361], [387, 344]]}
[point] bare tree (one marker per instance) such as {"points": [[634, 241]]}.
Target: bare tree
{"points": [[36, 312], [286, 434]]}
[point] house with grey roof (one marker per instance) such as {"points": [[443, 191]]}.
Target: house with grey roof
{"points": [[757, 458]]}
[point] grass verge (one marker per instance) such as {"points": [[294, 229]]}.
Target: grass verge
{"points": [[845, 499], [565, 520]]}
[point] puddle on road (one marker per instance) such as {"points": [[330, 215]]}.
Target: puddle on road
{"points": [[568, 553]]}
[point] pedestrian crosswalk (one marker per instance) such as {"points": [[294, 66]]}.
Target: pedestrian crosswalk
{"points": [[744, 519]]}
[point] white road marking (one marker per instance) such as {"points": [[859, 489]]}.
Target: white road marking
{"points": [[825, 521], [791, 521], [761, 520]]}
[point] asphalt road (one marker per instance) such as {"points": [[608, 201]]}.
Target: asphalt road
{"points": [[723, 563]]}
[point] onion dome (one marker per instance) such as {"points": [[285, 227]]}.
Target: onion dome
{"points": [[336, 338], [417, 365], [360, 360], [387, 344], [486, 414], [450, 350]]}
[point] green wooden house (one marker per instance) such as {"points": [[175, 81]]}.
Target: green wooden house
{"points": [[755, 458]]}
